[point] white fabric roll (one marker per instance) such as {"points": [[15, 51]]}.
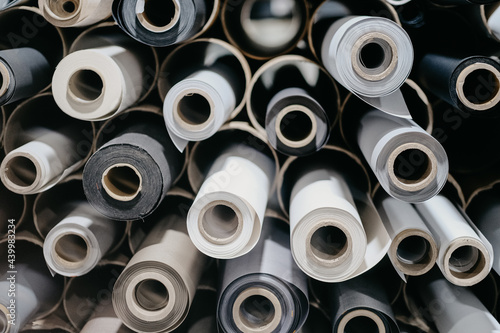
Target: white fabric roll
{"points": [[75, 13], [494, 23], [120, 74], [377, 84], [465, 256], [221, 100]]}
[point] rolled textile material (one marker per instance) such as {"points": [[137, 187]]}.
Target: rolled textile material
{"points": [[413, 249], [465, 256], [156, 289], [14, 206], [471, 84], [225, 220], [454, 309], [76, 236], [75, 13], [35, 292], [409, 163], [202, 314], [265, 29], [129, 175], [290, 100], [104, 320], [23, 73], [202, 84], [317, 321], [42, 146], [163, 23], [263, 291], [362, 305], [371, 57], [335, 230], [102, 76], [490, 17]]}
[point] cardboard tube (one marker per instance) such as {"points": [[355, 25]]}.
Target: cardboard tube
{"points": [[75, 13]]}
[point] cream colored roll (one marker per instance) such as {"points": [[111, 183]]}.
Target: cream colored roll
{"points": [[95, 84], [226, 217], [328, 241], [104, 320], [156, 289], [196, 107], [465, 256], [413, 249], [77, 243], [75, 13]]}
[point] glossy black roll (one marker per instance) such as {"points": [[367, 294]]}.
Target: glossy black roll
{"points": [[128, 176], [161, 23]]}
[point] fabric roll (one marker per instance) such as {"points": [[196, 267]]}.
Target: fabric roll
{"points": [[413, 249], [465, 256], [104, 320], [317, 321], [361, 305], [23, 73], [14, 206], [454, 309], [128, 176], [202, 314], [470, 84], [156, 289], [226, 218], [493, 18], [35, 293], [409, 163], [263, 291], [75, 13], [162, 23], [371, 57]]}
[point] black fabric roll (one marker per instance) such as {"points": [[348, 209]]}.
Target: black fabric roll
{"points": [[440, 73], [192, 16], [23, 73], [144, 146], [269, 288]]}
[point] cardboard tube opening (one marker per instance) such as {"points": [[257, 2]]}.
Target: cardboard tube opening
{"points": [[296, 126], [220, 222], [122, 182], [361, 324], [257, 311], [71, 249], [85, 85], [328, 243], [151, 295], [481, 86], [21, 171], [194, 109], [159, 15], [412, 166], [465, 259], [413, 250], [374, 56], [63, 10]]}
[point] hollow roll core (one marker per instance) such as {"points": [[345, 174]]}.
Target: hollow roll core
{"points": [[122, 182], [478, 86], [220, 222], [158, 15], [296, 126], [257, 310]]}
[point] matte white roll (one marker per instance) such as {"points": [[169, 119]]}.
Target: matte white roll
{"points": [[494, 22], [187, 122], [413, 249], [350, 51], [77, 243], [39, 164], [226, 217], [408, 162], [328, 241], [75, 13], [95, 84], [465, 256]]}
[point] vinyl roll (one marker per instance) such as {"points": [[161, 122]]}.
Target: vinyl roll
{"points": [[183, 20], [290, 101], [413, 249], [42, 146], [335, 230], [37, 293], [265, 29], [202, 84], [409, 163], [76, 236], [102, 77], [371, 57], [471, 84], [465, 256], [129, 175], [23, 73], [263, 291], [155, 291], [75, 13]]}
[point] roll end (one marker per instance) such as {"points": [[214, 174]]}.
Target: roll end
{"points": [[361, 321], [328, 244], [122, 182], [296, 126], [151, 295], [466, 262], [20, 173], [62, 10], [257, 310], [158, 16], [478, 86], [70, 250], [193, 109], [220, 222]]}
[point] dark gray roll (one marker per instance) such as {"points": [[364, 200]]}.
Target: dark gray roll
{"points": [[263, 291], [128, 177], [161, 23], [23, 73]]}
